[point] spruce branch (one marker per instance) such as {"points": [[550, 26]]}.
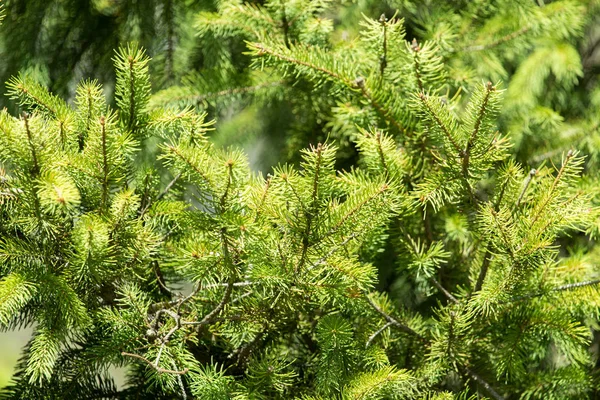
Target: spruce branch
{"points": [[383, 111], [155, 367], [417, 64], [160, 279], [331, 252], [358, 83], [577, 285], [313, 212], [356, 209], [192, 97], [383, 58], [244, 351], [483, 383], [295, 193], [540, 209], [162, 194], [466, 153], [209, 318], [528, 180], [104, 200], [235, 284], [189, 162], [484, 269], [504, 235], [566, 287], [446, 293], [18, 87], [132, 104], [285, 26], [485, 265], [179, 382], [223, 199], [259, 209], [35, 170], [381, 155], [441, 125], [377, 333], [261, 50], [36, 167], [394, 322], [501, 40]]}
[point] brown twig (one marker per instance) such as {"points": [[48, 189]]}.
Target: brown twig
{"points": [[156, 367]]}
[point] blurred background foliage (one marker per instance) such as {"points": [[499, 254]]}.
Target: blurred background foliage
{"points": [[545, 54]]}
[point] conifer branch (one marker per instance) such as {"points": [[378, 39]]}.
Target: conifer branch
{"points": [[189, 162], [356, 209], [501, 40], [483, 383], [35, 99], [570, 155], [262, 198], [466, 153], [197, 99], [284, 24], [209, 318], [104, 200], [567, 287], [313, 212], [88, 122], [235, 284], [417, 65], [503, 235], [295, 193], [262, 50], [571, 286], [484, 269], [156, 367], [352, 85], [36, 167], [131, 123], [162, 194], [244, 351], [332, 252], [168, 187], [427, 224], [445, 292], [377, 333], [488, 254], [528, 180], [35, 170], [160, 279], [223, 200], [381, 155], [383, 59], [440, 124], [179, 382], [394, 322], [381, 110]]}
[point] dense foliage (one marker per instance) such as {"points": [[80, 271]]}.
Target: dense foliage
{"points": [[434, 239]]}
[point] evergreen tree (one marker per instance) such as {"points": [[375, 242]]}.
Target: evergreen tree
{"points": [[544, 54], [128, 239], [450, 262]]}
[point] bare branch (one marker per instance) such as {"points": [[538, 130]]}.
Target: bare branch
{"points": [[393, 321], [483, 383], [377, 333], [157, 368]]}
